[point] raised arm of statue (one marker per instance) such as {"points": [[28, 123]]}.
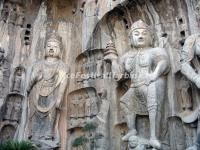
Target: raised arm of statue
{"points": [[187, 56], [162, 63], [110, 54]]}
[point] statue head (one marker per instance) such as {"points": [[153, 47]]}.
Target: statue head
{"points": [[197, 9], [103, 93], [18, 71], [132, 142], [141, 35], [53, 45]]}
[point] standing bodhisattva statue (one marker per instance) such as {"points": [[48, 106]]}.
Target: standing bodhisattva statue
{"points": [[147, 67], [46, 90]]}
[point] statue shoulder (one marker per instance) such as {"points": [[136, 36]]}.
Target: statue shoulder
{"points": [[37, 65], [159, 51]]}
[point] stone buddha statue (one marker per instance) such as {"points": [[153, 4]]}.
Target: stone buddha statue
{"points": [[147, 67], [46, 89]]}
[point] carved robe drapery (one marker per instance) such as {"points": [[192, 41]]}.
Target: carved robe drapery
{"points": [[43, 101]]}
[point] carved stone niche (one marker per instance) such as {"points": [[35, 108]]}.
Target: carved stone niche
{"points": [[13, 12], [12, 108], [7, 131], [82, 107], [91, 65]]}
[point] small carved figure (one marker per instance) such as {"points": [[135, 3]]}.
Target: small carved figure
{"points": [[81, 107], [13, 16], [94, 107], [5, 13], [84, 70], [17, 111], [17, 81], [87, 106], [20, 19], [102, 117], [147, 67], [1, 70], [47, 85], [8, 110], [185, 95], [73, 108], [104, 107], [99, 67], [137, 143]]}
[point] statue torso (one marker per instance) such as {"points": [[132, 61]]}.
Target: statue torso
{"points": [[138, 64]]}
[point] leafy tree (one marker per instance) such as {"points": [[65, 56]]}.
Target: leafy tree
{"points": [[81, 141], [15, 145]]}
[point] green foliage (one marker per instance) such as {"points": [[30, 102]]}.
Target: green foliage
{"points": [[80, 141], [83, 140], [89, 127], [15, 145]]}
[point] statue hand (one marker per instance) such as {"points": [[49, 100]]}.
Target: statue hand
{"points": [[110, 57], [150, 78], [110, 53]]}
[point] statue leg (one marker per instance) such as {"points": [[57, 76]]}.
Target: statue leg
{"points": [[126, 106], [152, 106]]}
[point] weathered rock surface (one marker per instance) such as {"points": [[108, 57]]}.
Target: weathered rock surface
{"points": [[87, 111]]}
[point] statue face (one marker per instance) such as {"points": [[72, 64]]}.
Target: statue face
{"points": [[19, 72], [141, 38], [133, 142], [53, 49], [197, 9]]}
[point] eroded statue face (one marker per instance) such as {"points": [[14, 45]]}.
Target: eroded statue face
{"points": [[133, 142], [197, 9], [141, 38], [52, 49]]}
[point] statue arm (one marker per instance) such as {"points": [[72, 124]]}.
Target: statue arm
{"points": [[62, 89], [162, 64], [118, 68], [187, 54], [189, 72], [36, 75]]}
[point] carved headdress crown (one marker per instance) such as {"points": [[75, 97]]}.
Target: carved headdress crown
{"points": [[54, 37], [139, 25]]}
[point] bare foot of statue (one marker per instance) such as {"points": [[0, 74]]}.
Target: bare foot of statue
{"points": [[155, 143], [130, 133]]}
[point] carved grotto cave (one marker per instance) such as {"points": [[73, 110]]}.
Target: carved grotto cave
{"points": [[100, 74]]}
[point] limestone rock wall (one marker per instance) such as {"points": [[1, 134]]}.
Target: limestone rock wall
{"points": [[86, 26]]}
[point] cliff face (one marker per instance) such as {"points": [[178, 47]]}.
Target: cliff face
{"points": [[90, 115]]}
